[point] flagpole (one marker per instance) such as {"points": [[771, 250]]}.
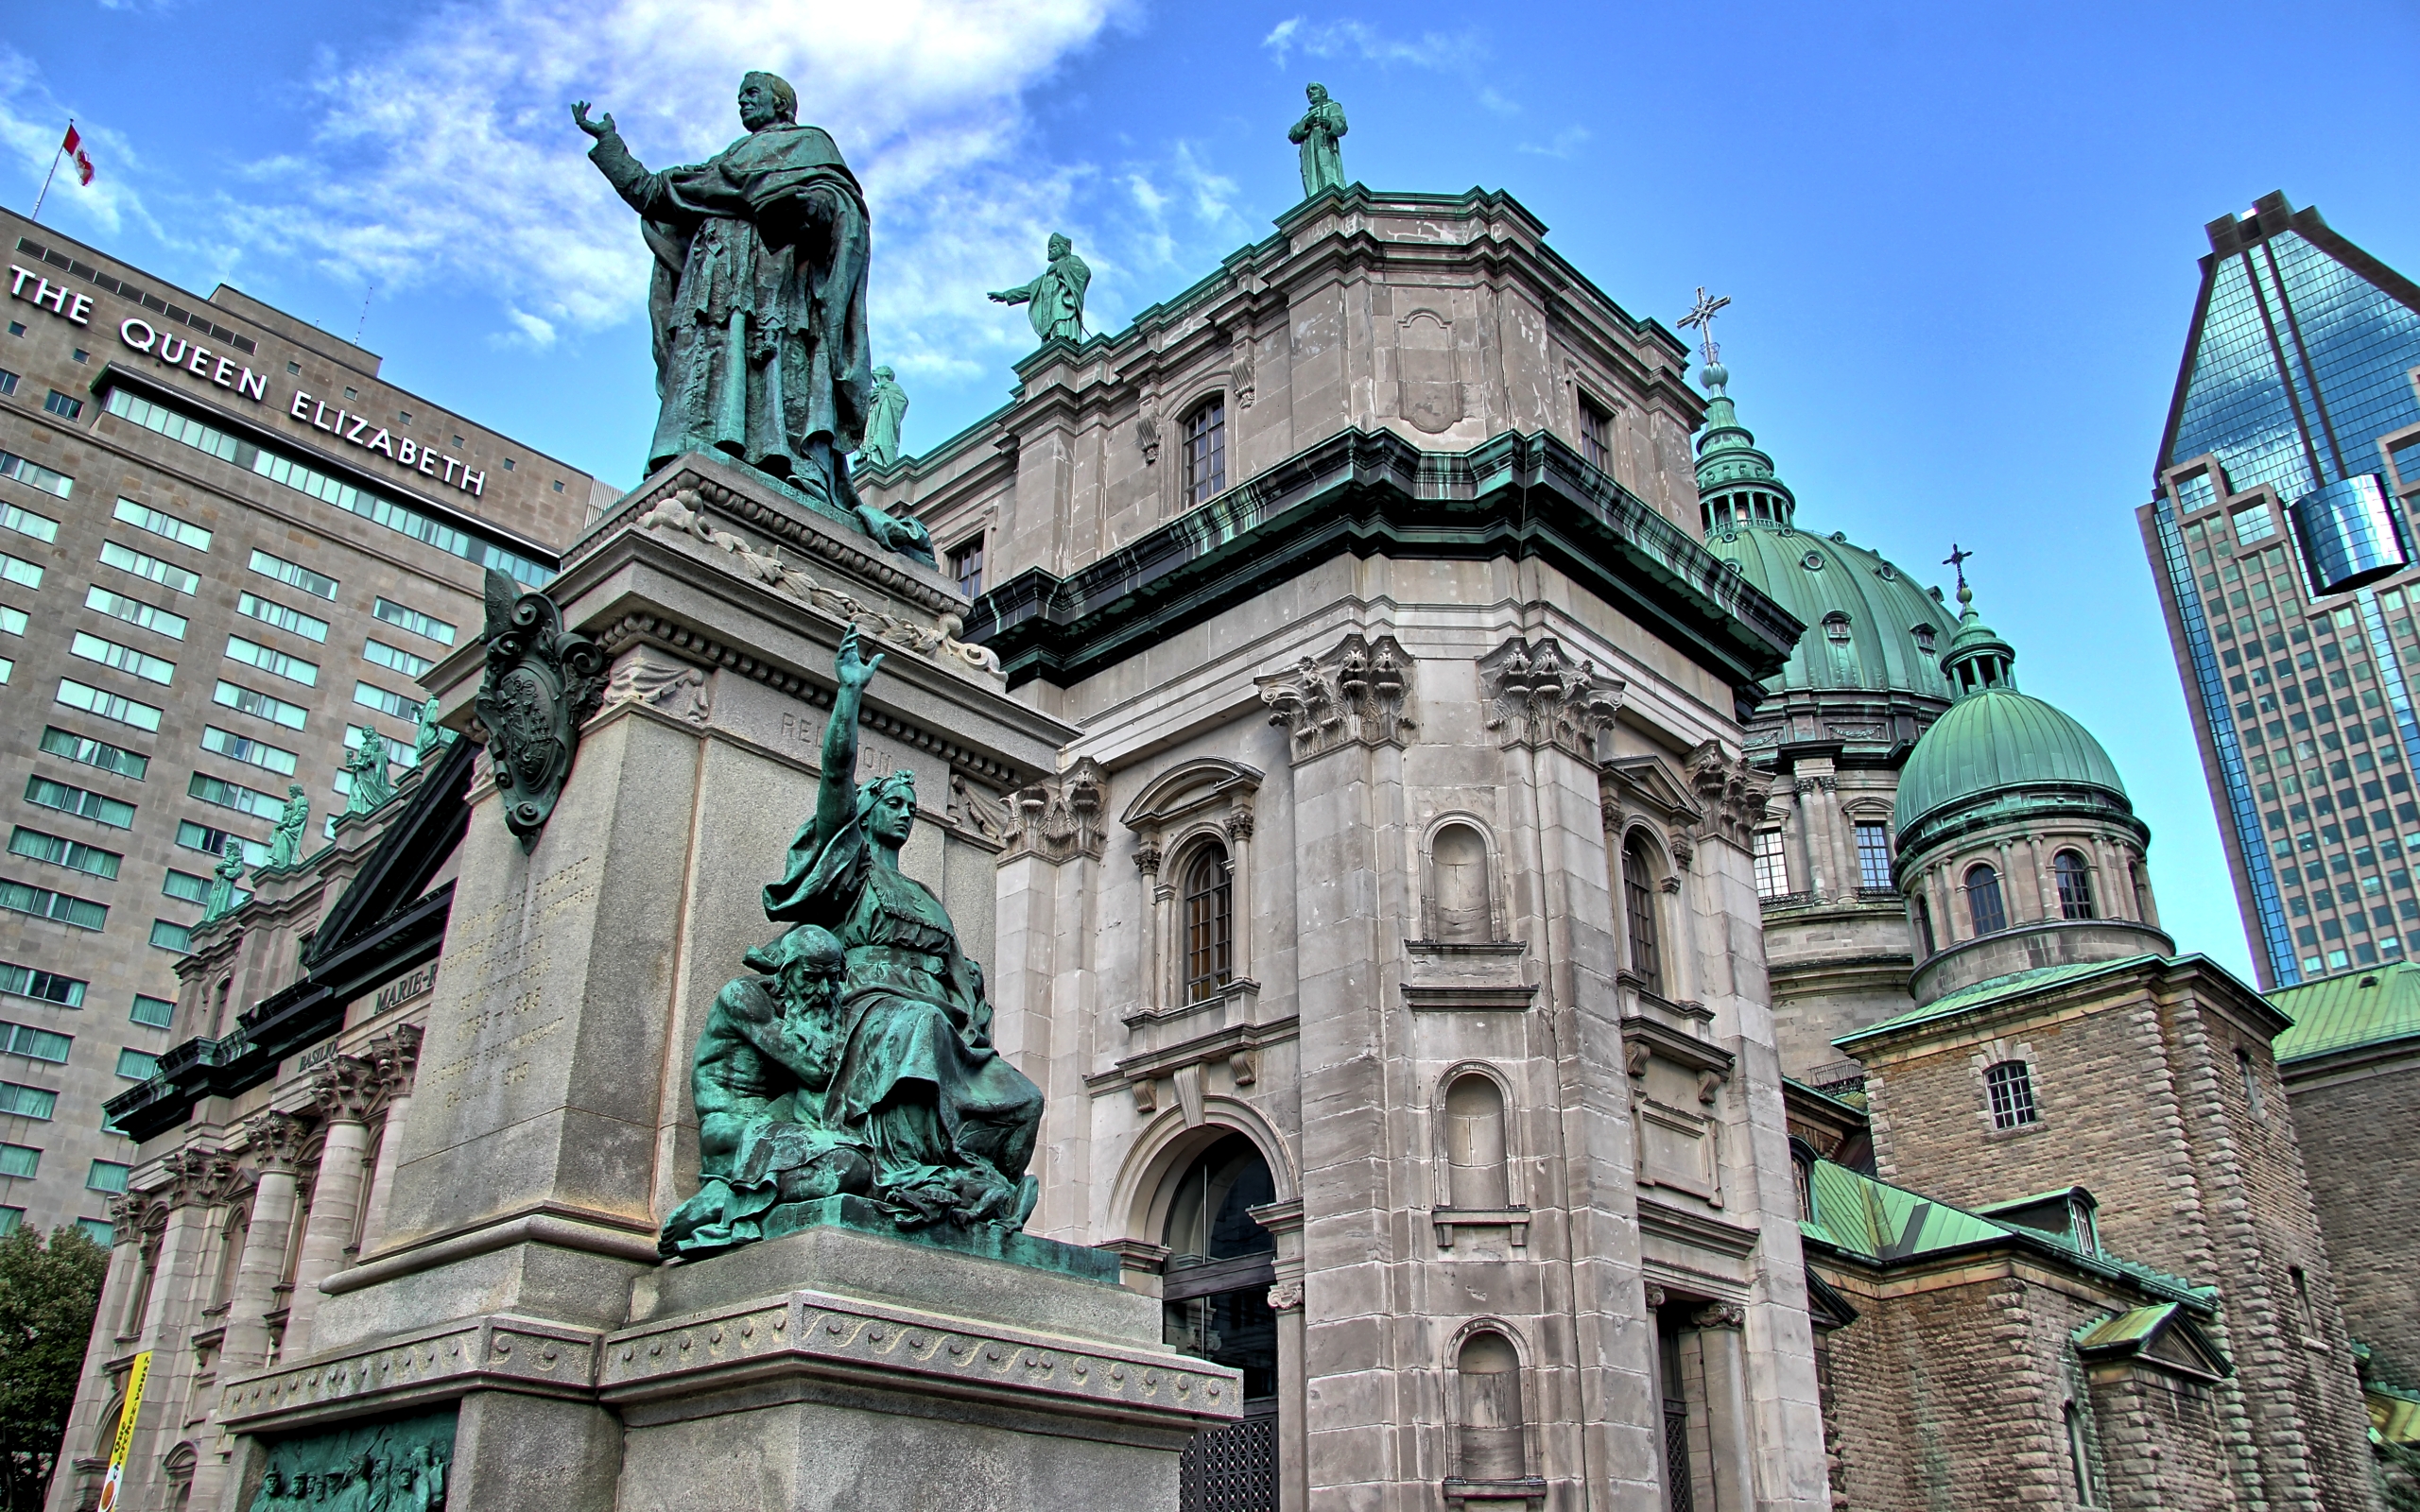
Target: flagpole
{"points": [[57, 153]]}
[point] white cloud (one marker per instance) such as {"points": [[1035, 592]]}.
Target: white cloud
{"points": [[1281, 37], [32, 123], [1450, 52], [1564, 143], [450, 155]]}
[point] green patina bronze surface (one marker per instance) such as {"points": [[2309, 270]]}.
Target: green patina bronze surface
{"points": [[400, 1465], [285, 844], [759, 302], [371, 784], [1054, 301], [223, 877], [430, 736], [542, 681], [1318, 133], [857, 1062], [883, 422]]}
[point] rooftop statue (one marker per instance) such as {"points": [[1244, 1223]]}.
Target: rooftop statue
{"points": [[372, 785], [1055, 300], [882, 424], [758, 301], [858, 1061], [431, 735], [220, 899], [285, 843], [1318, 133]]}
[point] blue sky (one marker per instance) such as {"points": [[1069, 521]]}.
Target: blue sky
{"points": [[1959, 240]]}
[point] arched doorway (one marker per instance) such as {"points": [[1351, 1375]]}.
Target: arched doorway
{"points": [[1214, 1305]]}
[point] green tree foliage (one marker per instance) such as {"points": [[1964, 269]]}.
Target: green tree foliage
{"points": [[48, 1293]]}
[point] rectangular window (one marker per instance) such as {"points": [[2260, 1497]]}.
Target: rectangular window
{"points": [[42, 987], [80, 803], [1874, 856], [17, 1100], [213, 843], [394, 657], [2009, 1088], [98, 1232], [20, 572], [166, 574], [42, 903], [105, 1176], [122, 658], [108, 758], [235, 796], [185, 885], [25, 522], [270, 611], [370, 696], [966, 567], [35, 475], [7, 382], [1772, 872], [19, 1160], [259, 753], [260, 705], [294, 574], [170, 936], [63, 406], [136, 1065], [1205, 451], [58, 851], [35, 1044], [14, 621], [143, 518], [136, 613], [110, 706], [428, 627], [152, 1011], [2254, 525], [276, 663], [1596, 435]]}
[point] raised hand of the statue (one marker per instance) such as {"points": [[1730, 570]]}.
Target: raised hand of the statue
{"points": [[854, 667], [599, 130]]}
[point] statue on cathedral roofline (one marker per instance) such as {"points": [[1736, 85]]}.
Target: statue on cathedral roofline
{"points": [[372, 785], [1318, 133], [759, 302], [1054, 301], [220, 899], [431, 736], [890, 412], [285, 843], [857, 1061]]}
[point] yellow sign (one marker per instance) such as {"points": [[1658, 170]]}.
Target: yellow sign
{"points": [[125, 1439]]}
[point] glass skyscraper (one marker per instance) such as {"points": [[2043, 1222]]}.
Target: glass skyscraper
{"points": [[2280, 532]]}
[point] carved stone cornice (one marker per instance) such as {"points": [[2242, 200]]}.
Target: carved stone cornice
{"points": [[1060, 818], [1731, 791], [1539, 698], [645, 675], [275, 1140], [347, 1090], [1359, 693]]}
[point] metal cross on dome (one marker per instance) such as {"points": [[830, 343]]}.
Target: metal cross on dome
{"points": [[1702, 316], [1956, 560]]}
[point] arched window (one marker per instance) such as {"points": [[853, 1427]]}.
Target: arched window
{"points": [[1476, 1177], [1923, 930], [1214, 1292], [2079, 1459], [1205, 450], [2010, 1088], [1457, 869], [1983, 900], [1209, 922], [230, 1249], [2074, 885], [1487, 1423], [1638, 910], [1773, 870]]}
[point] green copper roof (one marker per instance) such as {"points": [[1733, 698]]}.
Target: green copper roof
{"points": [[1879, 1222], [2365, 1007], [1995, 740], [1981, 994], [2134, 1326]]}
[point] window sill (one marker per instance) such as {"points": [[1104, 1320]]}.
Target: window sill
{"points": [[1449, 1219]]}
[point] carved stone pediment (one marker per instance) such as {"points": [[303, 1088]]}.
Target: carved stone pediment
{"points": [[1060, 818], [1732, 791], [1539, 696], [1360, 693]]}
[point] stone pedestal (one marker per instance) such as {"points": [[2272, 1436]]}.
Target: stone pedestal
{"points": [[551, 1129]]}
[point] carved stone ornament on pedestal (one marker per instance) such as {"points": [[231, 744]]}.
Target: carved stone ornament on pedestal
{"points": [[1540, 699], [1731, 791], [542, 681], [1359, 693], [648, 676], [1058, 817]]}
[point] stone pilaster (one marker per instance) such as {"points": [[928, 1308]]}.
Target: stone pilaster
{"points": [[347, 1092], [275, 1142], [394, 1056]]}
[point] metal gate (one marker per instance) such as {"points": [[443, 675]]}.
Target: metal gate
{"points": [[1233, 1469], [1678, 1493]]}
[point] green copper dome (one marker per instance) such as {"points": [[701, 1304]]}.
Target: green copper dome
{"points": [[1996, 742], [1868, 627]]}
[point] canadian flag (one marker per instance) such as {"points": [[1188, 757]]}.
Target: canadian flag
{"points": [[73, 147]]}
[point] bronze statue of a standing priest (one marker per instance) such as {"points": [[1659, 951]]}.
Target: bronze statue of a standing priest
{"points": [[859, 1062], [758, 301]]}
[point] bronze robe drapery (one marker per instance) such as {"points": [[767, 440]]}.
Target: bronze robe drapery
{"points": [[759, 302]]}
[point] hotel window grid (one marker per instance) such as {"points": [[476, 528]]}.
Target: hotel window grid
{"points": [[1638, 904], [1209, 923], [42, 987], [1596, 435], [2074, 885], [2010, 1088], [1772, 872], [62, 406], [1874, 856], [1205, 451], [18, 1100], [1983, 902], [966, 567]]}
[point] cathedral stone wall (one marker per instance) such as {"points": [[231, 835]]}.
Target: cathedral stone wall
{"points": [[2345, 1116]]}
